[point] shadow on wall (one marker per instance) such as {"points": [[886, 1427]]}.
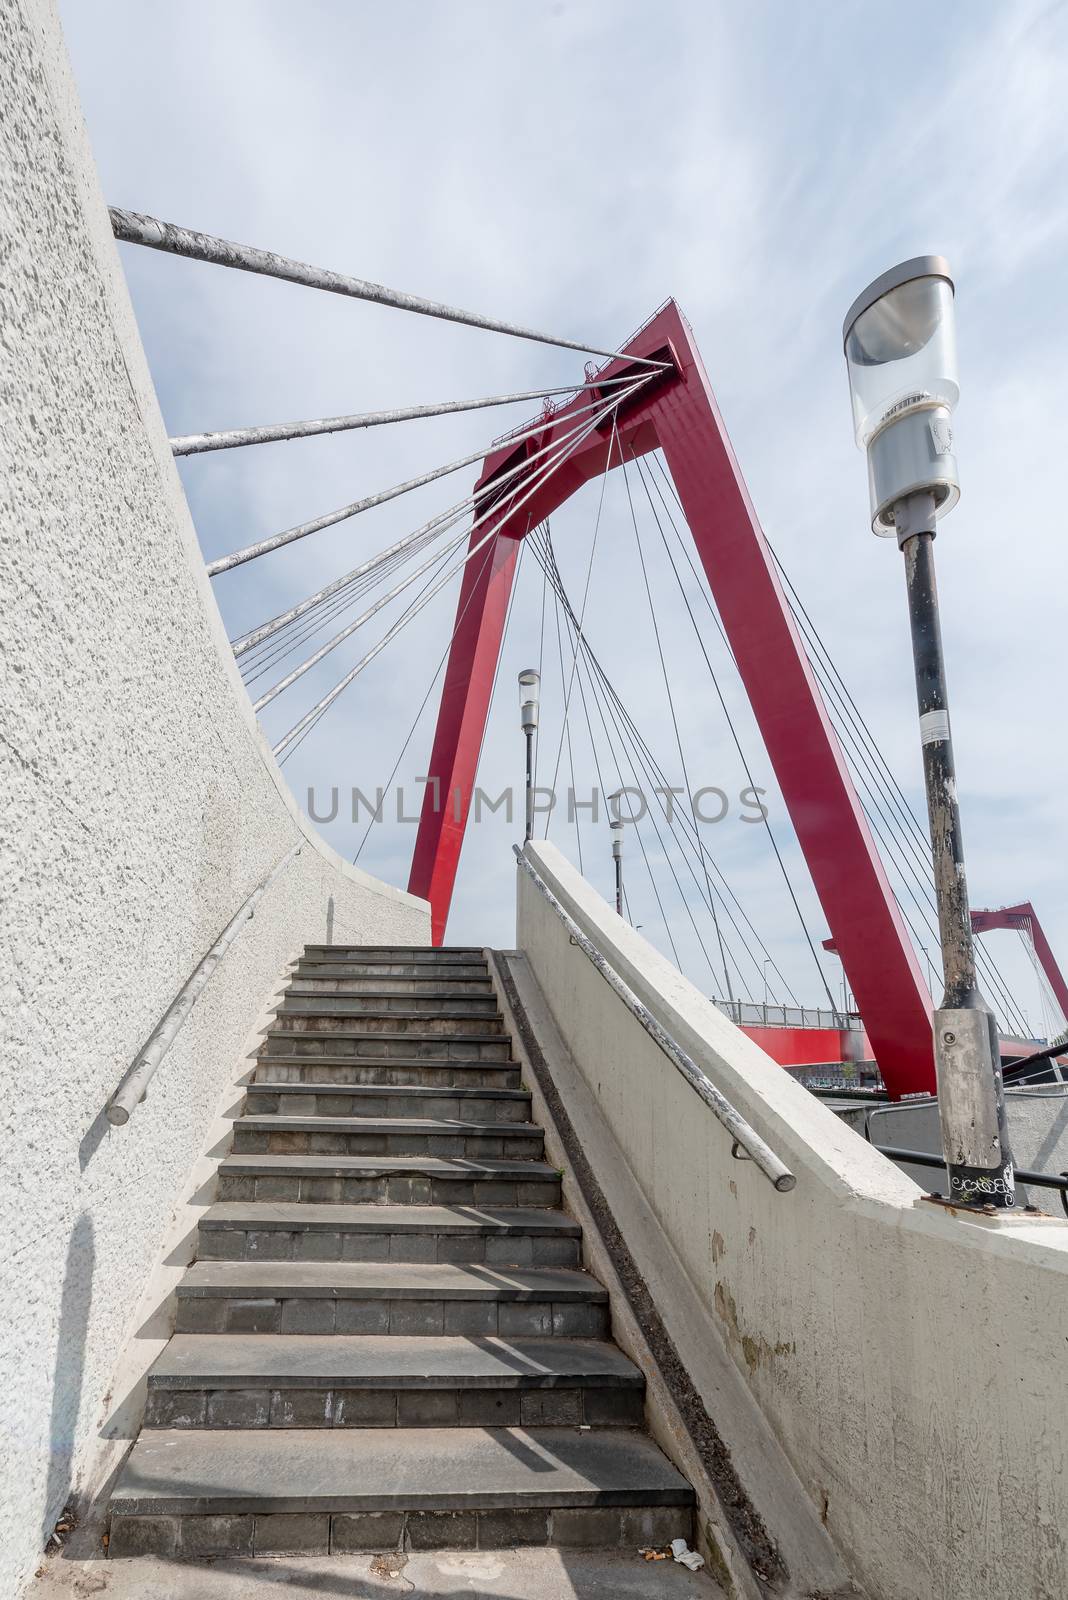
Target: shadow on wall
{"points": [[74, 1306], [330, 920]]}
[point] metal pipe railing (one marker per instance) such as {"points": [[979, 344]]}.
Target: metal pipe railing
{"points": [[1030, 1180], [131, 1091], [743, 1135]]}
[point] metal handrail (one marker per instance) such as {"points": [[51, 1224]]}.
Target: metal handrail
{"points": [[743, 1135], [135, 1081], [1030, 1180]]}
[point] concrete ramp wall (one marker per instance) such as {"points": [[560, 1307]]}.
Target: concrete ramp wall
{"points": [[141, 808], [911, 1363]]}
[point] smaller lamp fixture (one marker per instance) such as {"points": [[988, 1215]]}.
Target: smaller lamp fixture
{"points": [[616, 828], [901, 352], [529, 688]]}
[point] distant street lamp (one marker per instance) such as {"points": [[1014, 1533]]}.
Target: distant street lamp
{"points": [[529, 688], [900, 349], [617, 857], [616, 825]]}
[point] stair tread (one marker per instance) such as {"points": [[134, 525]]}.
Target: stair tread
{"points": [[314, 1217], [185, 1471], [275, 1121], [360, 1033], [382, 1280], [390, 1166], [387, 951], [307, 1014], [467, 1063], [384, 994], [419, 972], [368, 1361], [371, 1091]]}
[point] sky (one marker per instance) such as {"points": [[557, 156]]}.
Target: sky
{"points": [[569, 166]]}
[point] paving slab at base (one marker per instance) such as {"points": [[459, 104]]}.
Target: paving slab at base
{"points": [[504, 1574]]}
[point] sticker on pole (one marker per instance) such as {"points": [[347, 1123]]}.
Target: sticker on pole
{"points": [[934, 727]]}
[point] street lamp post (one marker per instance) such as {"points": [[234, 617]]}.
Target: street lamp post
{"points": [[616, 825], [900, 349], [529, 687], [617, 857]]}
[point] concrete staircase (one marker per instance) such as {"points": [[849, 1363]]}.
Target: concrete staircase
{"points": [[387, 1340]]}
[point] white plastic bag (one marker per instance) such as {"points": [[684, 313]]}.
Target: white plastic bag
{"points": [[685, 1556]]}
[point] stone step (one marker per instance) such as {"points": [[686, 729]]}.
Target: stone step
{"points": [[311, 1002], [391, 1073], [498, 1106], [516, 1236], [390, 1297], [311, 1039], [315, 1491], [447, 1021], [389, 1180], [372, 1381], [388, 973], [384, 1136]]}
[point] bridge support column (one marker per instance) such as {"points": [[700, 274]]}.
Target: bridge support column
{"points": [[465, 700]]}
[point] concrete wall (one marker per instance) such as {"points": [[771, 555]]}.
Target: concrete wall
{"points": [[141, 807], [910, 1362]]}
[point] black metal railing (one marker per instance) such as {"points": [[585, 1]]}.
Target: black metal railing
{"points": [[1031, 1180]]}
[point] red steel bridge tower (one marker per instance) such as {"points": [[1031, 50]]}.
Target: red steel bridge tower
{"points": [[675, 411]]}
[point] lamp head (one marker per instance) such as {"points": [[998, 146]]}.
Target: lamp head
{"points": [[529, 697], [901, 354]]}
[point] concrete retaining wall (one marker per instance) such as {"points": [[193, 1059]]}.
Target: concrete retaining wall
{"points": [[141, 808], [910, 1362]]}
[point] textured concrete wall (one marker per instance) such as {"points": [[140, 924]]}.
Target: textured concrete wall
{"points": [[140, 807], [911, 1363]]}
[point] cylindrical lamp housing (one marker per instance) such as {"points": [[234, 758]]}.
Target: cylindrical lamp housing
{"points": [[529, 688], [617, 839], [901, 353]]}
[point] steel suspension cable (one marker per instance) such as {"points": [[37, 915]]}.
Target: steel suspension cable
{"points": [[641, 842], [134, 227], [654, 771], [500, 653], [871, 807], [605, 707], [541, 660], [565, 734], [439, 522], [613, 443], [351, 627], [646, 480], [191, 444], [543, 474], [398, 551], [912, 831], [675, 722], [321, 710], [436, 675], [864, 793], [260, 661], [329, 519]]}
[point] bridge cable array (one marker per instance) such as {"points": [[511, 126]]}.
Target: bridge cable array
{"points": [[263, 649], [892, 818]]}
